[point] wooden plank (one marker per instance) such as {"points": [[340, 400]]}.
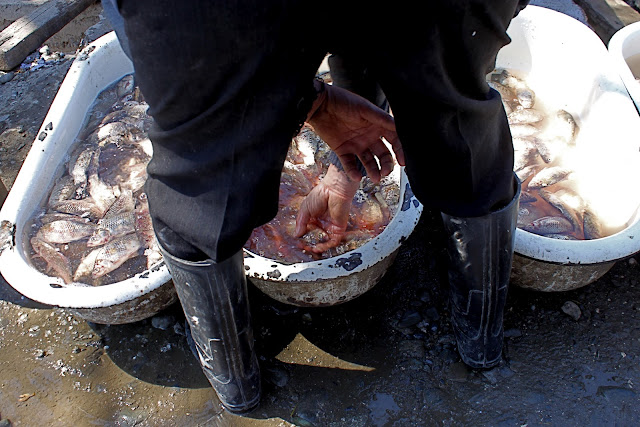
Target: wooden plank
{"points": [[608, 16], [26, 34]]}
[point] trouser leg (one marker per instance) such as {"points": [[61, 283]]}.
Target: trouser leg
{"points": [[227, 86]]}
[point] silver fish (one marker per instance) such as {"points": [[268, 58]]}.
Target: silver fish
{"points": [[78, 166], [506, 94], [573, 214], [523, 129], [102, 194], [55, 259], [125, 86], [115, 253], [549, 225], [564, 126], [526, 97], [88, 262], [86, 208], [63, 189], [525, 115], [123, 203], [527, 172], [109, 228], [58, 216], [144, 226], [64, 231], [527, 214], [550, 148], [527, 197], [524, 158], [592, 226], [561, 236], [549, 176]]}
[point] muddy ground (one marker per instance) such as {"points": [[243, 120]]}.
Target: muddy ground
{"points": [[387, 358]]}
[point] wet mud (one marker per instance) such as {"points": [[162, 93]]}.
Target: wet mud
{"points": [[387, 358]]}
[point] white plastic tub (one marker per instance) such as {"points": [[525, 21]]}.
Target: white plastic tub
{"points": [[98, 66], [624, 45], [569, 67]]}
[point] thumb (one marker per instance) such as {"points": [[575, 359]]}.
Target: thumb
{"points": [[302, 220]]}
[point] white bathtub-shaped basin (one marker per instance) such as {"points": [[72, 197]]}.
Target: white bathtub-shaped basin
{"points": [[623, 46], [569, 68], [98, 66]]}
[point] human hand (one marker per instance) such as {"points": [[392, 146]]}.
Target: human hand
{"points": [[353, 126], [327, 206]]}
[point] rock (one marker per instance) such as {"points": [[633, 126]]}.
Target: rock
{"points": [[162, 322], [513, 333], [572, 310], [410, 318], [6, 77], [458, 372]]}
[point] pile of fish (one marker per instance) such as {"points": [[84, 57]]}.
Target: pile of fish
{"points": [[542, 139], [307, 161], [96, 217]]}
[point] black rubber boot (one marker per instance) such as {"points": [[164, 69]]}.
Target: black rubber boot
{"points": [[480, 251], [215, 304]]}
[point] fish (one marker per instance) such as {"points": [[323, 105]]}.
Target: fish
{"points": [[523, 129], [506, 94], [572, 213], [527, 214], [527, 197], [524, 158], [564, 126], [115, 253], [87, 264], [64, 189], [78, 165], [125, 85], [549, 225], [65, 231], [549, 176], [85, 208], [111, 227], [561, 236], [526, 172], [592, 225], [550, 148], [55, 259], [124, 203], [525, 115], [102, 194], [57, 216]]}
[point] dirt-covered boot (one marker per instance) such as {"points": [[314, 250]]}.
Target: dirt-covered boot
{"points": [[480, 251], [215, 304]]}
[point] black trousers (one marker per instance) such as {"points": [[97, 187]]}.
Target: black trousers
{"points": [[230, 83]]}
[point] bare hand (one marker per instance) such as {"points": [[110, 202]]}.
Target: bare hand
{"points": [[327, 206], [353, 126]]}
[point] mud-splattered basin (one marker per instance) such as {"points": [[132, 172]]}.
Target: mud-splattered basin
{"points": [[569, 68], [341, 278], [139, 297]]}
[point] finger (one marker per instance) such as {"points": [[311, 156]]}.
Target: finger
{"points": [[384, 157], [370, 165], [325, 246], [392, 138], [350, 166], [302, 220]]}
